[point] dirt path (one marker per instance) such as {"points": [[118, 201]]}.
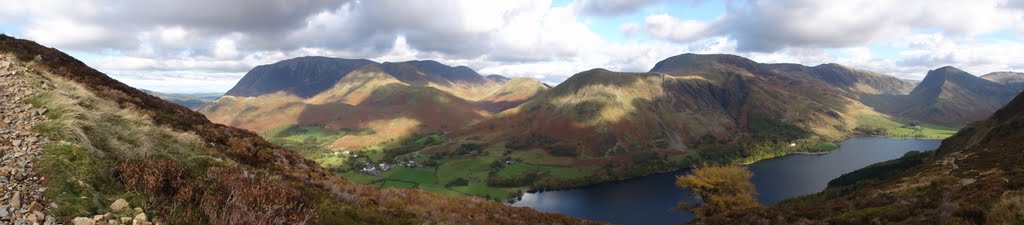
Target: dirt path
{"points": [[21, 200]]}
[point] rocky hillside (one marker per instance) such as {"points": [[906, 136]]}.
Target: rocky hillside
{"points": [[973, 178], [1012, 80], [108, 141], [948, 95]]}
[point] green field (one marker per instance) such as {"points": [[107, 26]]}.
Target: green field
{"points": [[413, 175], [887, 127]]}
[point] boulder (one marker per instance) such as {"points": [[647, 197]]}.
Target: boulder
{"points": [[118, 205]]}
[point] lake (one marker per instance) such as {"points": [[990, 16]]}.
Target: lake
{"points": [[649, 199]]}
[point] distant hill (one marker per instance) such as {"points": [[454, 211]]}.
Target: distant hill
{"points": [[1012, 80], [949, 95], [512, 93], [498, 78], [384, 101], [190, 100], [851, 79], [303, 76]]}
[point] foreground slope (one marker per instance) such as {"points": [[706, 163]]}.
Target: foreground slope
{"points": [[112, 141], [973, 178]]}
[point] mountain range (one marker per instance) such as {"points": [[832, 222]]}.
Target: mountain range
{"points": [[604, 125], [385, 101]]}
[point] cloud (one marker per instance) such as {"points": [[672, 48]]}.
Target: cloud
{"points": [[668, 27], [173, 42], [612, 7], [768, 26]]}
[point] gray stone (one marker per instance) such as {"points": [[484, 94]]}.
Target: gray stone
{"points": [[83, 221], [118, 205], [5, 212], [50, 220], [16, 200], [141, 217], [16, 143]]}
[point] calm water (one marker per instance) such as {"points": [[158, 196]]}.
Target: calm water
{"points": [[648, 200]]}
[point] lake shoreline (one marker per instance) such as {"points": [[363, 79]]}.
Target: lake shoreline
{"points": [[646, 200], [513, 200]]}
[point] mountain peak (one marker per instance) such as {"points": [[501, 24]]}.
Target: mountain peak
{"points": [[303, 76], [693, 61]]}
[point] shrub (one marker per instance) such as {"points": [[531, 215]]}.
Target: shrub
{"points": [[238, 197], [721, 189]]}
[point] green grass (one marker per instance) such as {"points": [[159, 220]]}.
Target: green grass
{"points": [[471, 169], [440, 189], [80, 181], [312, 133], [897, 129], [414, 175], [516, 169]]}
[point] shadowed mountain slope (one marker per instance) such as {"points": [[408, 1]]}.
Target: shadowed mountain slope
{"points": [[303, 76], [948, 95]]}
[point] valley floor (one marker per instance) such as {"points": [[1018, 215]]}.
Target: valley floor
{"points": [[499, 173]]}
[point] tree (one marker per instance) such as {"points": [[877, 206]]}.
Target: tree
{"points": [[722, 190]]}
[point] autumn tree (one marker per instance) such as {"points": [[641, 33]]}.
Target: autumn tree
{"points": [[721, 189]]}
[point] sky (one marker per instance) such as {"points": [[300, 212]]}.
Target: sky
{"points": [[187, 46]]}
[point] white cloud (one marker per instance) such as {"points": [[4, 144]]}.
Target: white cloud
{"points": [[668, 27], [184, 40], [766, 26], [629, 29]]}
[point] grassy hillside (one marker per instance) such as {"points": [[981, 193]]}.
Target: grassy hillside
{"points": [[512, 93], [112, 141]]}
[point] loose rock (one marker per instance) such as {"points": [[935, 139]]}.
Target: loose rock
{"points": [[118, 205]]}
